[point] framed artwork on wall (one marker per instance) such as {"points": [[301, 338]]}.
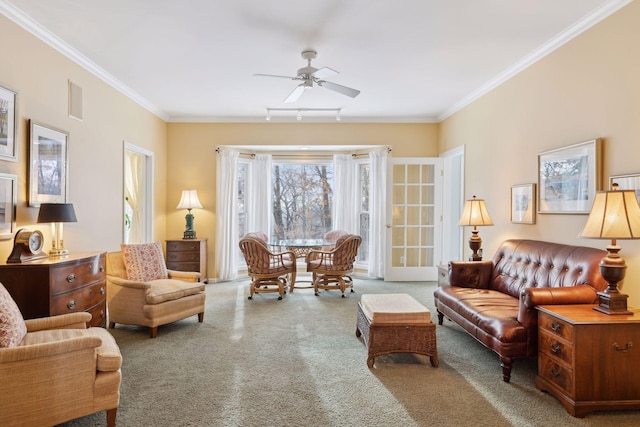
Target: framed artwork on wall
{"points": [[48, 169], [523, 204], [8, 124], [569, 177], [626, 182], [8, 201]]}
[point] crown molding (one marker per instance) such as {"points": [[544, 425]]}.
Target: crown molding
{"points": [[28, 24], [562, 38]]}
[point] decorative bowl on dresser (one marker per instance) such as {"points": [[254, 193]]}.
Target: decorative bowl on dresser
{"points": [[188, 255], [58, 285], [589, 360]]}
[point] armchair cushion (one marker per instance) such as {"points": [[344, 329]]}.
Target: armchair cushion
{"points": [[12, 326], [144, 261], [163, 290]]}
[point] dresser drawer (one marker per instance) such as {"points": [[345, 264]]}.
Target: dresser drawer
{"points": [[183, 266], [183, 256], [70, 276], [78, 300], [553, 346], [556, 373], [98, 315], [556, 326], [186, 245]]}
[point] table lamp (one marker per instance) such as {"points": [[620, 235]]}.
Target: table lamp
{"points": [[475, 213], [188, 201], [614, 215], [57, 214]]}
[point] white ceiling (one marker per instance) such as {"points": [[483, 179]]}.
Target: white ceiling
{"points": [[412, 60]]}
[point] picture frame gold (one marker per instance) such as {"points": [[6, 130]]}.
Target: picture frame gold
{"points": [[48, 166]]}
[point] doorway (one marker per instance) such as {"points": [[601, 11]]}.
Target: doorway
{"points": [[137, 212]]}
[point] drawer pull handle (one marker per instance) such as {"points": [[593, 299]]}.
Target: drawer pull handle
{"points": [[555, 348], [101, 269], [71, 304], [628, 347], [555, 372], [556, 327], [71, 278], [102, 291]]}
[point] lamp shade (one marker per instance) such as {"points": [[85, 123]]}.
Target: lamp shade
{"points": [[189, 200], [475, 213], [56, 212], [614, 215]]}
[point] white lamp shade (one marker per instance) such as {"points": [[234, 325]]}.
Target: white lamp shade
{"points": [[475, 213], [614, 215], [189, 200]]}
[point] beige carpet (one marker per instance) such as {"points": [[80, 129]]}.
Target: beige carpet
{"points": [[297, 362]]}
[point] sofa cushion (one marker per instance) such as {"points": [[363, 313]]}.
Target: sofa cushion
{"points": [[163, 290], [144, 261], [12, 326]]}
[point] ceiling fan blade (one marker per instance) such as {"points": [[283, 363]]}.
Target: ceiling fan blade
{"points": [[293, 96], [281, 77], [339, 88], [324, 72]]}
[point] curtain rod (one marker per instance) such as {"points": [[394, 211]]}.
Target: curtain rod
{"points": [[253, 155]]}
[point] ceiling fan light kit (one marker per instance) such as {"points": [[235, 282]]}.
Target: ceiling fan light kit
{"points": [[308, 76]]}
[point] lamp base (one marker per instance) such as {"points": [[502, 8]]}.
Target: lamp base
{"points": [[475, 243], [612, 303]]}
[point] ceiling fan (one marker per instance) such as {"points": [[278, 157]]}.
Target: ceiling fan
{"points": [[309, 75]]}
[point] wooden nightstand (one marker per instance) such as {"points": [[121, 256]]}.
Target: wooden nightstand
{"points": [[188, 255], [589, 360], [59, 285]]}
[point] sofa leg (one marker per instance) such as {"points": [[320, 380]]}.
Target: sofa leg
{"points": [[111, 417], [440, 317], [153, 332], [112, 325], [201, 317], [506, 362]]}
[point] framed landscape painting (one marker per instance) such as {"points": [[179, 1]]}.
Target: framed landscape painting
{"points": [[48, 168], [569, 177], [626, 182], [8, 200], [8, 100]]}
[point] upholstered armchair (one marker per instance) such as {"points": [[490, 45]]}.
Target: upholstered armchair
{"points": [[269, 271], [54, 369], [141, 291], [331, 269]]}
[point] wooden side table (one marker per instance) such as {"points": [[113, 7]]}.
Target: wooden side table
{"points": [[589, 360], [59, 285], [188, 255]]}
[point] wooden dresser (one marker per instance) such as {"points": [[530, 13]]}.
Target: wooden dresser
{"points": [[188, 255], [52, 286], [589, 360]]}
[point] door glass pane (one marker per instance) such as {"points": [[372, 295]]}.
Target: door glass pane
{"points": [[428, 172], [413, 174], [413, 257], [428, 194], [397, 236], [398, 174], [398, 195], [398, 215], [413, 215], [413, 195], [413, 236], [397, 256]]}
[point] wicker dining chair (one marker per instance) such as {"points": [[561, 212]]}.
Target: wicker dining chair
{"points": [[331, 269], [269, 271]]}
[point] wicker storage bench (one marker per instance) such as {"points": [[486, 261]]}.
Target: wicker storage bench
{"points": [[395, 323]]}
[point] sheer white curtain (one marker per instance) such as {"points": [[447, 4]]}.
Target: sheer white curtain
{"points": [[345, 213], [259, 195], [377, 212], [226, 214], [133, 194]]}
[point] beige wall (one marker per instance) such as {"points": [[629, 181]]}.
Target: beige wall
{"points": [[589, 88], [192, 157], [40, 76]]}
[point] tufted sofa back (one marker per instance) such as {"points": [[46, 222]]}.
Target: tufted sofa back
{"points": [[522, 264]]}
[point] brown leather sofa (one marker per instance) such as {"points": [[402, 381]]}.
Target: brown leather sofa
{"points": [[495, 300]]}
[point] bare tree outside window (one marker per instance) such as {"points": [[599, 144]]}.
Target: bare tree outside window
{"points": [[363, 181], [302, 200]]}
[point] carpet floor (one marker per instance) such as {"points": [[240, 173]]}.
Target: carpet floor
{"points": [[297, 362]]}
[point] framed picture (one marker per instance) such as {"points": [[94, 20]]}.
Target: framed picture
{"points": [[626, 182], [48, 169], [523, 204], [8, 201], [8, 124], [569, 177]]}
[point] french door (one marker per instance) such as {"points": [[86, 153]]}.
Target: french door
{"points": [[414, 219]]}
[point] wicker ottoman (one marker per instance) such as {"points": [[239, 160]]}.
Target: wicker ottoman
{"points": [[396, 323]]}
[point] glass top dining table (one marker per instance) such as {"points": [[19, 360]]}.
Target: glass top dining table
{"points": [[301, 247]]}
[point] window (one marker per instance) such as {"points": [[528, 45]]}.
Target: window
{"points": [[363, 210], [302, 199]]}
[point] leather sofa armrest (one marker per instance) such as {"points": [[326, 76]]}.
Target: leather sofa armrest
{"points": [[470, 274], [581, 294]]}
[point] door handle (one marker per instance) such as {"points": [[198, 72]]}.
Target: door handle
{"points": [[389, 226]]}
